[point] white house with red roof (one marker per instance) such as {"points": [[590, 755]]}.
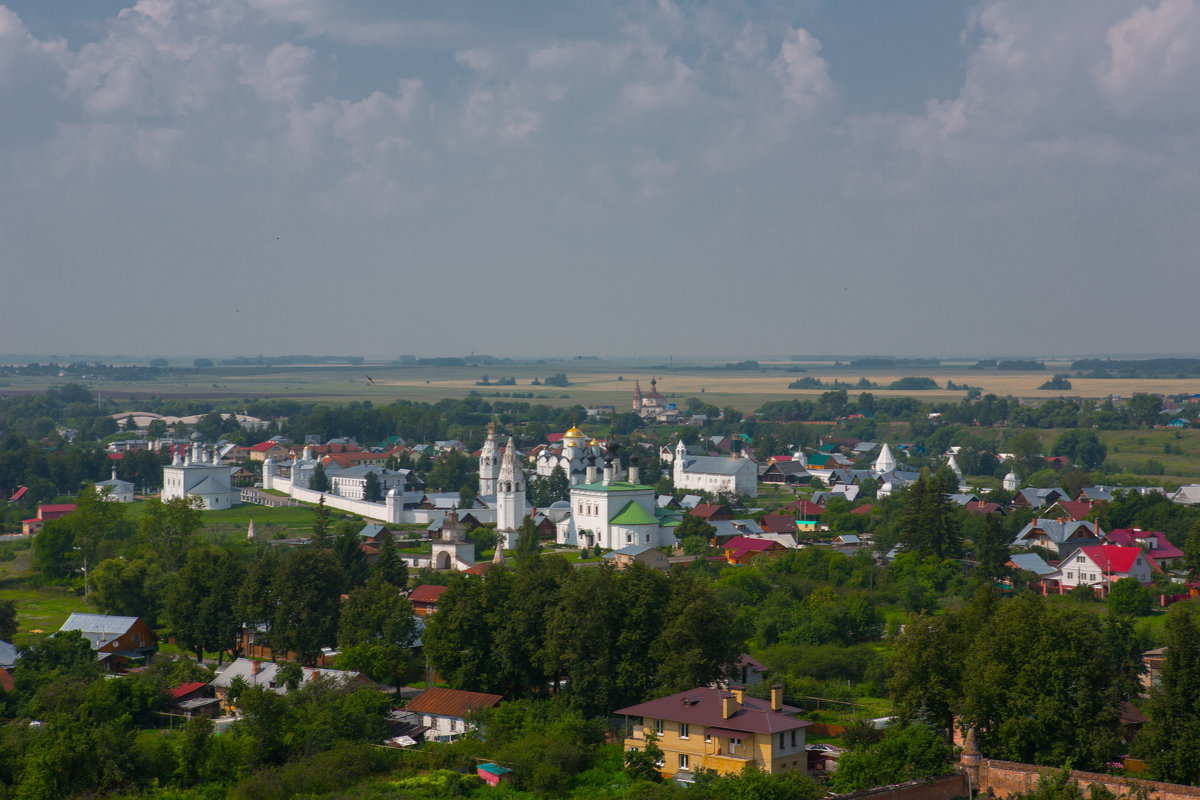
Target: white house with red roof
{"points": [[1164, 554], [1101, 565]]}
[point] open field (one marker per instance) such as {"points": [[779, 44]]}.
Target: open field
{"points": [[592, 382], [43, 608]]}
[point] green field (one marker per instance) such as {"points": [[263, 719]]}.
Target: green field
{"points": [[39, 608], [592, 382]]}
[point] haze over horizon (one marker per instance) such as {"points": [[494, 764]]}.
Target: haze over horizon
{"points": [[300, 176]]}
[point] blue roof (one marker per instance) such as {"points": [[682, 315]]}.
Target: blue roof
{"points": [[495, 769]]}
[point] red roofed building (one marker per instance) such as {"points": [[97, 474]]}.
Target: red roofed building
{"points": [[18, 494], [1100, 565], [806, 509], [777, 523], [711, 511], [268, 449], [725, 731], [865, 508], [1069, 509], [425, 598], [447, 712], [1162, 553], [743, 549], [45, 513]]}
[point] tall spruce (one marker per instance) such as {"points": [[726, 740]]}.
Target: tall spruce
{"points": [[1168, 740]]}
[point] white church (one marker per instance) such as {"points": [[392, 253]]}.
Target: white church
{"points": [[199, 475], [614, 510], [571, 455], [729, 475]]}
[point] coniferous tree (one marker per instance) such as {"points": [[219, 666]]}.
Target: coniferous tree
{"points": [[991, 549], [1168, 740], [319, 481], [321, 523], [927, 523], [388, 564], [372, 488]]}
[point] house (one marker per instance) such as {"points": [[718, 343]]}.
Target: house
{"points": [[268, 449], [747, 671], [1069, 509], [116, 640], [374, 533], [1057, 534], [787, 473], [352, 481], [743, 549], [448, 712], [1031, 562], [710, 512], [724, 731], [45, 513], [777, 523], [1099, 566], [1038, 498], [632, 554], [848, 540], [425, 598], [805, 509], [1164, 554], [267, 675], [194, 699], [8, 655]]}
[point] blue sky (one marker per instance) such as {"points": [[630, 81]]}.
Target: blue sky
{"points": [[657, 177]]}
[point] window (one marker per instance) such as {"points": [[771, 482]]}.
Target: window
{"points": [[781, 741], [628, 538], [1080, 559], [658, 726], [734, 744], [1070, 574], [683, 730], [683, 760], [707, 739], [793, 738]]}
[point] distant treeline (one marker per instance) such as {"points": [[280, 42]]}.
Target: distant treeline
{"points": [[888, 363], [270, 361], [1140, 368], [1015, 364]]}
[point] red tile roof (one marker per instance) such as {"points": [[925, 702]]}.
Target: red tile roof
{"points": [[777, 523], [1127, 537], [184, 689], [705, 510], [55, 508], [703, 707], [1111, 558], [865, 508], [451, 702], [804, 509], [262, 447], [426, 593], [18, 494], [1076, 509]]}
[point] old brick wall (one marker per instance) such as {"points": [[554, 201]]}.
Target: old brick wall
{"points": [[946, 787], [1003, 778]]}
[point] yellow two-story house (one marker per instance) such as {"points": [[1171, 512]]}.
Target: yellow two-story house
{"points": [[720, 729]]}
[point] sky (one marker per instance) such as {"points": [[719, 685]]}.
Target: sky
{"points": [[654, 177]]}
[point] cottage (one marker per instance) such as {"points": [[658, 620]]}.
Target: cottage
{"points": [[1160, 551], [267, 675], [1056, 535], [116, 640], [425, 598], [743, 549], [1099, 566], [632, 554], [45, 513], [725, 731], [448, 712]]}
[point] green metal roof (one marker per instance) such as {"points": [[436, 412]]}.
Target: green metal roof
{"points": [[614, 486], [633, 514]]}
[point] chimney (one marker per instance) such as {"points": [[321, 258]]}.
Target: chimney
{"points": [[777, 698], [739, 695], [728, 706]]}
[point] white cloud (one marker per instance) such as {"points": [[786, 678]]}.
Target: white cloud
{"points": [[671, 91], [1154, 58], [283, 75], [802, 71]]}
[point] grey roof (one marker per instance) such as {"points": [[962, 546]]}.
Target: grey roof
{"points": [[1058, 532], [865, 447], [1040, 497], [689, 500], [849, 538], [8, 655], [116, 484], [1097, 493], [98, 629], [209, 486], [264, 674], [962, 499], [715, 465], [629, 550], [1032, 562], [736, 527], [361, 471], [371, 530]]}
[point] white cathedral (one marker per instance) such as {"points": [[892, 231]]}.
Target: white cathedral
{"points": [[571, 455], [199, 475]]}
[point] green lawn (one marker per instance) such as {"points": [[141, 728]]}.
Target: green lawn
{"points": [[43, 608]]}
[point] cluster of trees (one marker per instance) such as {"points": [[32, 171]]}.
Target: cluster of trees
{"points": [[600, 637]]}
